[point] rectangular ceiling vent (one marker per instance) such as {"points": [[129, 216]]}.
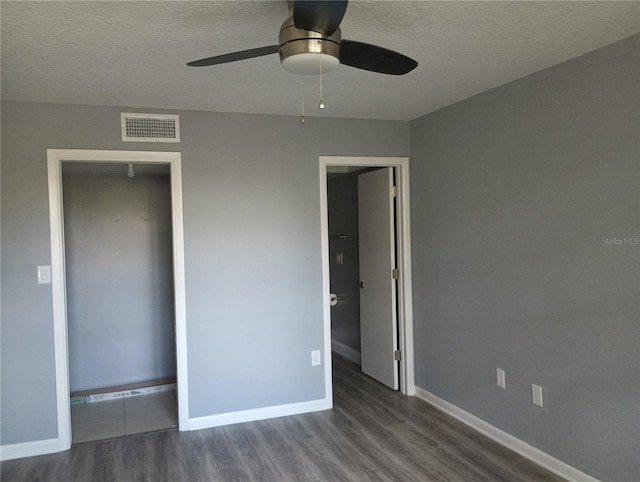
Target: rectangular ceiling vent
{"points": [[150, 127]]}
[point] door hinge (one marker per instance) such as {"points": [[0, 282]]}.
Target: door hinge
{"points": [[397, 355], [395, 273], [393, 191]]}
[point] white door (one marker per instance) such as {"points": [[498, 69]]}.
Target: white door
{"points": [[378, 314]]}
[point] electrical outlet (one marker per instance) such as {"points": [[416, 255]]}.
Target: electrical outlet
{"points": [[536, 394], [339, 258], [315, 358], [500, 378]]}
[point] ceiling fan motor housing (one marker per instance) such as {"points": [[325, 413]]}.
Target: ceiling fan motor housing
{"points": [[306, 52]]}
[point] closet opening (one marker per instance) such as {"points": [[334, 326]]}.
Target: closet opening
{"points": [[114, 303], [119, 298]]}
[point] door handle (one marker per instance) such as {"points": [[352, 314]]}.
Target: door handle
{"points": [[361, 284]]}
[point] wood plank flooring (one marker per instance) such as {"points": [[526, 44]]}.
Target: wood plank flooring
{"points": [[373, 433]]}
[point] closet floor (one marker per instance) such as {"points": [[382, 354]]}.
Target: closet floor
{"points": [[124, 416]]}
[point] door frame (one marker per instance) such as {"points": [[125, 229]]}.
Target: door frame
{"points": [[55, 157], [403, 246]]}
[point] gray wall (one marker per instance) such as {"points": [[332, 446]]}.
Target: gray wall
{"points": [[119, 269], [513, 192], [252, 248], [342, 203]]}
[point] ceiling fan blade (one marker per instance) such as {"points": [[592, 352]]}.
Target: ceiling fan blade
{"points": [[375, 59], [235, 56], [322, 16]]}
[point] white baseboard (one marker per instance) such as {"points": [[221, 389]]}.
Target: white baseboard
{"points": [[134, 392], [259, 414], [29, 449], [345, 351], [503, 438]]}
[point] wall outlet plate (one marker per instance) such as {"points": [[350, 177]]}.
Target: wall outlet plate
{"points": [[536, 394]]}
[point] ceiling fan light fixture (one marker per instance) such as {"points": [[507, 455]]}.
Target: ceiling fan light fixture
{"points": [[305, 52], [309, 63]]}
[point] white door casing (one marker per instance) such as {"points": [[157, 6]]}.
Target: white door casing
{"points": [[55, 157], [405, 300]]}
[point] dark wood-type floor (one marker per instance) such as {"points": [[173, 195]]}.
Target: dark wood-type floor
{"points": [[372, 433]]}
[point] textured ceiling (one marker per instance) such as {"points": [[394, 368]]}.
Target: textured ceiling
{"points": [[133, 53]]}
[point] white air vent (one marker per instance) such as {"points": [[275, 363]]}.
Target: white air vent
{"points": [[150, 127]]}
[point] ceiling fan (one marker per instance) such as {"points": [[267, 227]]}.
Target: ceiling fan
{"points": [[310, 42]]}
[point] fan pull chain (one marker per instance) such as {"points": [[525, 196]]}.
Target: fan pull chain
{"points": [[321, 105], [302, 98]]}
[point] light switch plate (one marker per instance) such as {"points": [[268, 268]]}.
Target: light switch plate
{"points": [[500, 378], [315, 358], [44, 275]]}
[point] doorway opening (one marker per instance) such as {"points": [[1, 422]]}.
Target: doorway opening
{"points": [[120, 304], [369, 239], [99, 301]]}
